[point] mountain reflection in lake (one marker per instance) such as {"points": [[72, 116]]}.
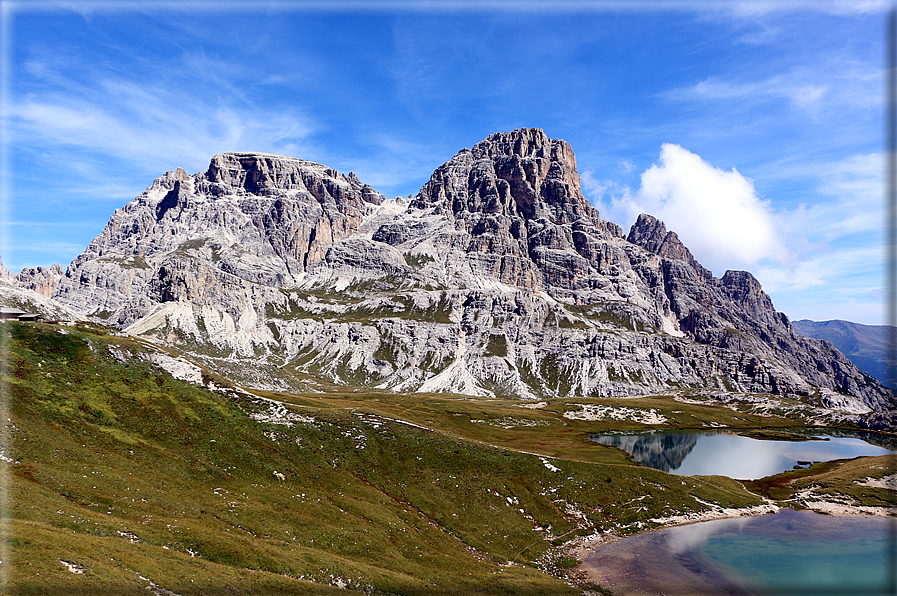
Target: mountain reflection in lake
{"points": [[690, 454], [659, 451]]}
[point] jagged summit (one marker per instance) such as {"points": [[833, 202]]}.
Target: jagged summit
{"points": [[264, 172], [517, 174], [497, 278], [650, 233], [522, 142]]}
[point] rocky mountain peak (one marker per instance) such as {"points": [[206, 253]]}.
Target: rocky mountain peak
{"points": [[744, 289], [523, 142], [499, 278], [651, 234], [522, 173], [266, 174]]}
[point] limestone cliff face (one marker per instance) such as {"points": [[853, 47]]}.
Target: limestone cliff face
{"points": [[39, 279], [260, 218], [516, 198], [497, 278]]}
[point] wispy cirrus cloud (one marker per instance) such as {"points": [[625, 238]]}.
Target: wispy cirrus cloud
{"points": [[183, 109], [849, 202], [778, 87], [819, 268], [150, 125], [834, 82]]}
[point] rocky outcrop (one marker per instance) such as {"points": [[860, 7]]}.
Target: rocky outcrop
{"points": [[651, 234], [517, 200], [497, 278], [14, 296], [40, 279], [867, 346], [261, 218]]}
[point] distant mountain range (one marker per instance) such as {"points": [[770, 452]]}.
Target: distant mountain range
{"points": [[865, 345], [497, 279]]}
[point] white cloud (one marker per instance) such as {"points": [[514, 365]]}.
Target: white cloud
{"points": [[825, 87], [848, 207], [626, 166], [855, 186], [821, 260], [754, 8], [717, 214]]}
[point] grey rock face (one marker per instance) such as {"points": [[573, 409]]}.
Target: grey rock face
{"points": [[38, 279], [516, 199], [260, 218], [498, 278], [867, 346], [651, 234]]}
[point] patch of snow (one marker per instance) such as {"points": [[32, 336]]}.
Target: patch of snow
{"points": [[536, 406], [179, 368], [455, 378], [406, 423], [73, 567], [888, 482], [342, 283], [156, 590], [371, 420], [670, 326], [594, 412], [360, 438], [549, 465], [129, 536], [277, 413]]}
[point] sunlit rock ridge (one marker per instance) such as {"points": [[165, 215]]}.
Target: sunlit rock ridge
{"points": [[497, 278]]}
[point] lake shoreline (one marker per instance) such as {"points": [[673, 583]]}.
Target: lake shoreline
{"points": [[701, 579]]}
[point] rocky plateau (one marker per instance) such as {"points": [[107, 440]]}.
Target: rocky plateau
{"points": [[497, 279]]}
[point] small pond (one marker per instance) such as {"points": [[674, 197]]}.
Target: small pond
{"points": [[744, 458], [791, 552]]}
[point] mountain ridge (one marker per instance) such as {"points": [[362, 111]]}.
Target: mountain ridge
{"points": [[866, 346], [497, 278]]}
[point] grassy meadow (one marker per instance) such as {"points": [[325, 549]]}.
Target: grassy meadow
{"points": [[118, 478]]}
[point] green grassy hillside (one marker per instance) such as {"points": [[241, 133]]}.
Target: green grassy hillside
{"points": [[119, 478]]}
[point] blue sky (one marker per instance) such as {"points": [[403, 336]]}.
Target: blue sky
{"points": [[752, 128]]}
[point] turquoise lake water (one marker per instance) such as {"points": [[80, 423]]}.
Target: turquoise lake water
{"points": [[793, 553], [796, 553]]}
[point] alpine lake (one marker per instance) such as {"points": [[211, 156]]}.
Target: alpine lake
{"points": [[790, 552]]}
